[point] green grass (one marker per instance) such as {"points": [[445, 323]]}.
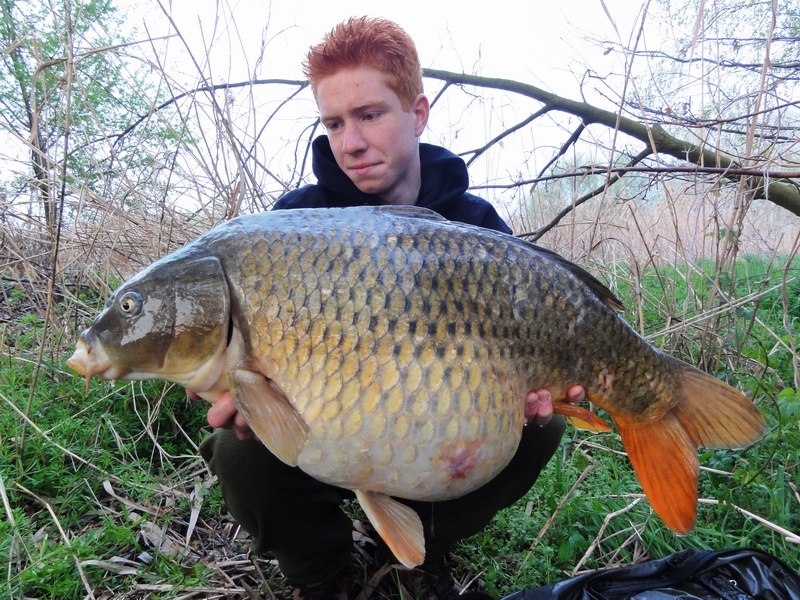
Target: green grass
{"points": [[745, 350], [141, 439], [53, 473]]}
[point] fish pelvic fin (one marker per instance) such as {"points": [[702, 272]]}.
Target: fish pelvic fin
{"points": [[581, 418], [665, 460], [399, 526], [270, 414], [714, 414]]}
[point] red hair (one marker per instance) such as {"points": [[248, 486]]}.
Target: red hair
{"points": [[373, 43]]}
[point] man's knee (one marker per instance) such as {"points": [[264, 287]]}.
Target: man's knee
{"points": [[287, 512]]}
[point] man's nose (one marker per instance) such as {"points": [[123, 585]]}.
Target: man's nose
{"points": [[353, 141]]}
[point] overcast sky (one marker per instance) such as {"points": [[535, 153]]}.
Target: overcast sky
{"points": [[522, 39]]}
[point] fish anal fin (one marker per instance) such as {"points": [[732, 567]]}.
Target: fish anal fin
{"points": [[714, 414], [269, 413], [398, 525], [581, 418], [665, 460]]}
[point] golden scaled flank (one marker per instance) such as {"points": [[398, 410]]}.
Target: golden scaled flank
{"points": [[371, 341]]}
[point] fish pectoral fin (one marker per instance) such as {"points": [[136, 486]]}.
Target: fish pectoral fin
{"points": [[714, 414], [270, 414], [581, 418], [399, 526], [665, 460]]}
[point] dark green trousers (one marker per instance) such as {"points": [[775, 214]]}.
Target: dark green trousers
{"points": [[299, 520]]}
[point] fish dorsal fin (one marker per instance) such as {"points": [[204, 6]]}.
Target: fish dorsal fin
{"points": [[399, 526], [270, 414], [605, 295], [411, 212], [665, 460], [580, 418]]}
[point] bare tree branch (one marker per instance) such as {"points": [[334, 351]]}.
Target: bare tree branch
{"points": [[785, 194], [535, 235], [564, 147], [211, 88], [477, 152]]}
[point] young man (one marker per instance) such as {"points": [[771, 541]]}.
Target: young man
{"points": [[367, 81]]}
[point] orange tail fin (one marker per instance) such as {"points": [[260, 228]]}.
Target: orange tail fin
{"points": [[665, 461], [663, 452], [715, 415]]}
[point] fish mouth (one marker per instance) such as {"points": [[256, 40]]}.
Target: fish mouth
{"points": [[90, 360]]}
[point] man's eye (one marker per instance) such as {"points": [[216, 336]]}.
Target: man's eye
{"points": [[332, 126], [370, 117]]}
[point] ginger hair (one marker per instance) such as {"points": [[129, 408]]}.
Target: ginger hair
{"points": [[372, 43]]}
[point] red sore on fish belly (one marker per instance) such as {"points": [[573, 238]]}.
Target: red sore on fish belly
{"points": [[462, 458]]}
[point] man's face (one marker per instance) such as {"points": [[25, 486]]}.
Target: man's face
{"points": [[373, 139]]}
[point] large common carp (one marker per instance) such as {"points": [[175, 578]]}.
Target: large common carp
{"points": [[389, 351]]}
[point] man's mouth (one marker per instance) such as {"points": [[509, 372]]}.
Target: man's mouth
{"points": [[363, 169]]}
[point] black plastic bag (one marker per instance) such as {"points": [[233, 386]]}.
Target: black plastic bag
{"points": [[733, 574]]}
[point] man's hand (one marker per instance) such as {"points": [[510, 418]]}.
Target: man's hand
{"points": [[539, 404], [224, 415]]}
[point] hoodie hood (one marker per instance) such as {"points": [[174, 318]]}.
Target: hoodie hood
{"points": [[444, 178], [444, 188]]}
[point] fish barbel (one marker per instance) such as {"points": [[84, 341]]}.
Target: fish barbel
{"points": [[389, 351]]}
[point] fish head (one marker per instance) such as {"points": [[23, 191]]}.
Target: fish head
{"points": [[170, 322]]}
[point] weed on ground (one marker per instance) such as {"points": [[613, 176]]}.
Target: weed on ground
{"points": [[106, 491]]}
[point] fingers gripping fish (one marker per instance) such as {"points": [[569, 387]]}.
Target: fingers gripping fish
{"points": [[388, 351]]}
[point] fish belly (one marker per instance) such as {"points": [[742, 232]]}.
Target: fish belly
{"points": [[427, 458]]}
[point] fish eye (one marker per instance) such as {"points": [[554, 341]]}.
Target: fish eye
{"points": [[130, 304]]}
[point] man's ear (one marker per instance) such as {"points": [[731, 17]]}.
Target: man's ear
{"points": [[421, 109]]}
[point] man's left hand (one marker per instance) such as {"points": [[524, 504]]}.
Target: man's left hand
{"points": [[539, 404]]}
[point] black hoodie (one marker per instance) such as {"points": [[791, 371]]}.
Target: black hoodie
{"points": [[444, 188]]}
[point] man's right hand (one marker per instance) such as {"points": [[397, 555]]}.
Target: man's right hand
{"points": [[539, 404], [223, 414]]}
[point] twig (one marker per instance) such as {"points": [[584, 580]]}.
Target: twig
{"points": [[589, 468], [589, 444], [789, 536], [129, 503], [479, 151], [730, 305], [572, 139], [56, 444], [263, 577], [371, 585], [596, 542], [535, 235], [6, 503]]}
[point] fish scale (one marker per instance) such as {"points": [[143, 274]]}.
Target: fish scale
{"points": [[388, 351]]}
